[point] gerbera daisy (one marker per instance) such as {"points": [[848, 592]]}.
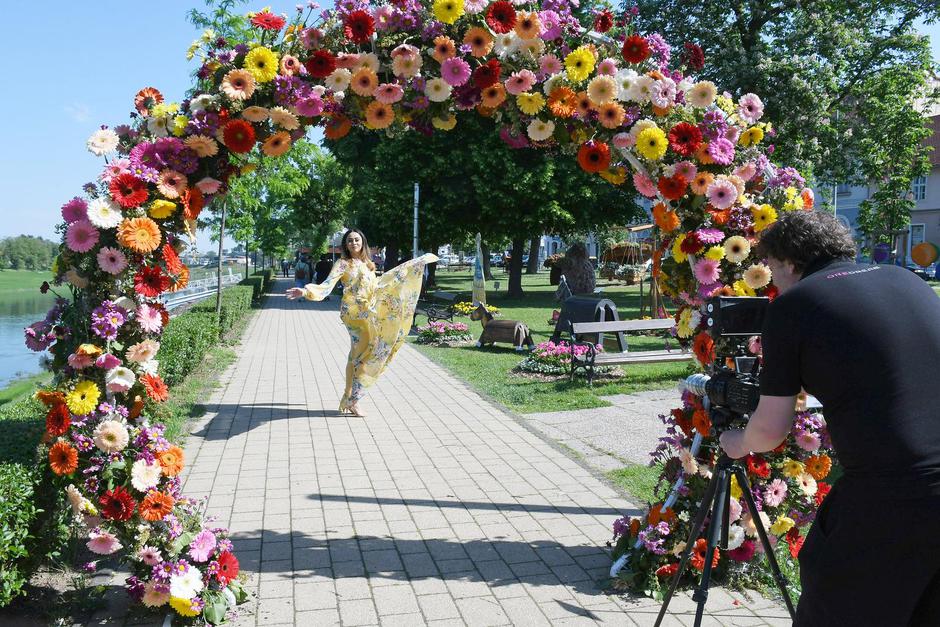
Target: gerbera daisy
{"points": [[171, 460], [104, 213], [320, 64], [262, 63], [501, 17], [147, 98], [480, 41], [750, 108], [528, 25], [549, 65], [672, 187], [149, 318], [389, 93], [337, 127], [75, 209], [579, 64], [142, 235], [493, 96], [406, 66], [487, 74], [228, 568], [256, 114], [455, 71], [721, 151], [530, 103], [238, 85], [268, 21], [155, 387], [149, 555], [807, 440], [685, 169], [277, 144], [594, 156], [358, 26], [636, 49], [128, 191], [238, 136], [704, 348], [602, 89], [63, 458], [764, 216], [819, 466], [611, 115], [562, 102], [290, 65], [111, 436], [722, 193], [142, 351], [701, 182], [665, 218], [684, 138], [171, 183], [448, 11], [751, 136], [111, 260], [608, 67], [117, 504], [81, 236], [437, 90], [284, 118], [706, 271], [150, 281], [519, 82], [171, 260], [310, 106], [102, 142], [540, 130], [58, 420], [702, 94], [202, 145], [155, 506], [379, 115], [103, 543], [652, 143], [757, 276], [444, 48], [364, 82]]}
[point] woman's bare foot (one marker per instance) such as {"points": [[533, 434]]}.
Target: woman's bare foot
{"points": [[355, 411]]}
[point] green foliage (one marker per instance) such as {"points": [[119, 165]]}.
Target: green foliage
{"points": [[18, 514], [184, 343], [257, 285], [26, 252], [236, 303]]}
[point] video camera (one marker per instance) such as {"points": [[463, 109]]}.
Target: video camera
{"points": [[732, 393]]}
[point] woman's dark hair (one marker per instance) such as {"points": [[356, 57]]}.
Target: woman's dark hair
{"points": [[363, 254], [802, 237], [577, 252]]}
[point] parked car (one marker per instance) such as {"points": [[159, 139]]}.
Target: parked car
{"points": [[496, 260]]}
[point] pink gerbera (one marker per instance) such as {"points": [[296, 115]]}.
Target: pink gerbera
{"points": [[208, 185], [455, 71], [746, 172], [103, 543], [776, 492], [111, 260], [686, 169], [115, 169], [607, 67], [81, 236], [202, 546], [171, 183], [310, 106], [550, 64], [644, 185], [750, 108], [722, 193], [389, 93], [706, 271], [808, 441], [75, 210], [149, 555], [520, 82], [149, 318]]}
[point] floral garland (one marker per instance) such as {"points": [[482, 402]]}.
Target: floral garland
{"points": [[619, 101]]}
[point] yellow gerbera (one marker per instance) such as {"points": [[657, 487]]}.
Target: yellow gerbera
{"points": [[84, 398], [445, 124], [615, 176], [652, 143], [162, 209], [793, 468], [741, 289], [736, 491], [764, 216], [183, 607], [715, 253], [579, 64], [178, 128], [782, 525], [530, 103], [262, 63], [751, 136], [793, 205], [677, 253], [448, 11]]}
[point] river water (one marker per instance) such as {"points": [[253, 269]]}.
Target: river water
{"points": [[17, 312]]}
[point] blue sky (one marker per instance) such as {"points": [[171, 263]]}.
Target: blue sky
{"points": [[76, 68]]}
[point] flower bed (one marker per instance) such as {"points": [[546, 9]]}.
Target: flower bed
{"points": [[443, 333], [466, 307], [552, 360]]}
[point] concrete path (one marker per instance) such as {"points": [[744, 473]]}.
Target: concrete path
{"points": [[439, 508]]}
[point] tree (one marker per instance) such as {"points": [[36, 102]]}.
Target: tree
{"points": [[844, 82], [26, 252]]}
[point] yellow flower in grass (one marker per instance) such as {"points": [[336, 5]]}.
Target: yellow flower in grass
{"points": [[764, 216], [793, 468], [448, 11], [183, 607], [677, 253], [782, 525], [652, 143], [162, 209], [262, 63], [715, 253], [84, 398], [530, 103], [579, 64], [751, 136]]}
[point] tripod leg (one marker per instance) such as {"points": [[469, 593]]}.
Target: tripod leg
{"points": [[762, 533], [715, 532], [697, 525]]}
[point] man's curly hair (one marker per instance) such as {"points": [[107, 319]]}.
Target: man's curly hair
{"points": [[802, 237]]}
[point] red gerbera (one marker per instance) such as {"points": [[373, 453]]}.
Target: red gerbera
{"points": [[228, 567], [501, 17], [691, 244], [635, 49], [693, 56], [668, 570], [193, 202], [795, 541], [604, 21], [150, 281], [268, 21], [772, 292], [117, 504], [698, 555], [704, 348], [359, 26], [147, 98], [487, 74], [239, 136], [822, 490], [672, 187], [758, 466], [155, 387], [320, 64], [594, 157], [685, 138], [164, 314], [171, 259], [58, 420], [128, 191]]}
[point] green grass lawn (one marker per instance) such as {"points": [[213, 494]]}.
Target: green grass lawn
{"points": [[488, 369], [22, 281]]}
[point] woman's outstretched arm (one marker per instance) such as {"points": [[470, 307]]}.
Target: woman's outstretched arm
{"points": [[319, 291]]}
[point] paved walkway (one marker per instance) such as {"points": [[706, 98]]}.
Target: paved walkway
{"points": [[439, 508]]}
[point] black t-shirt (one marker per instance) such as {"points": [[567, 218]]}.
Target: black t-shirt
{"points": [[865, 341]]}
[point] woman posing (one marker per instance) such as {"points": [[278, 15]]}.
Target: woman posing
{"points": [[377, 312]]}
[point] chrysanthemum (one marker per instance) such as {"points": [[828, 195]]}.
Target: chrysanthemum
{"points": [[579, 64], [722, 194], [238, 85], [142, 235], [651, 143], [63, 458], [202, 145], [530, 103], [550, 65], [389, 93], [437, 90], [706, 271], [611, 115], [455, 71], [156, 505], [501, 17], [750, 108], [448, 11], [277, 144], [128, 191], [493, 96], [104, 213], [702, 94], [540, 130], [602, 89], [528, 25], [379, 115], [81, 236], [262, 63], [764, 216], [364, 82], [239, 136], [102, 142], [519, 82], [636, 49]]}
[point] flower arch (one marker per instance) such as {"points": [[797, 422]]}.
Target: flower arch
{"points": [[619, 102]]}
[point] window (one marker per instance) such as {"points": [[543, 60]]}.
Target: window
{"points": [[919, 187]]}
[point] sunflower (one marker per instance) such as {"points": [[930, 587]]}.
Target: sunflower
{"points": [[63, 458], [562, 102], [579, 64], [652, 143], [155, 506], [171, 461], [530, 103], [161, 209], [480, 41], [83, 398], [142, 235], [262, 63], [379, 115], [277, 144], [448, 11]]}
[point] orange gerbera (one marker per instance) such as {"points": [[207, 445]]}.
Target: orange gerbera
{"points": [[277, 144], [50, 398], [485, 111], [665, 218], [180, 280], [146, 98], [380, 115], [701, 422], [155, 387], [494, 95], [136, 408], [479, 40], [562, 102], [701, 182], [444, 48], [611, 115], [661, 111], [702, 154], [720, 216], [704, 348], [819, 466], [63, 458], [528, 25], [155, 506], [698, 555], [171, 461], [584, 104], [193, 202], [142, 235], [656, 515], [338, 127], [364, 82]]}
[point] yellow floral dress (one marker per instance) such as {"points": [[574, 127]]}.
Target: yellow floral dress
{"points": [[377, 312]]}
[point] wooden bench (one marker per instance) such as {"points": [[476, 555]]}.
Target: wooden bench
{"points": [[440, 308], [592, 358]]}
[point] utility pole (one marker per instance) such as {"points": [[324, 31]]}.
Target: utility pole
{"points": [[218, 293], [414, 241]]}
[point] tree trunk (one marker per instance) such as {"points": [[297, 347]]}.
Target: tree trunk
{"points": [[533, 266], [218, 276], [485, 251], [515, 268], [247, 274]]}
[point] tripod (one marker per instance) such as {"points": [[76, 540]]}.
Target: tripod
{"points": [[716, 502]]}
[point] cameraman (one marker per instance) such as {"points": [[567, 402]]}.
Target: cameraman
{"points": [[865, 340]]}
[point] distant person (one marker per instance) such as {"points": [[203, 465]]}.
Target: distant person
{"points": [[302, 272], [284, 267], [578, 271]]}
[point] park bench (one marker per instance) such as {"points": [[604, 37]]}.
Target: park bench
{"points": [[592, 358], [437, 305]]}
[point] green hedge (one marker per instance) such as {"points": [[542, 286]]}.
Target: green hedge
{"points": [[236, 303], [257, 285], [185, 341]]}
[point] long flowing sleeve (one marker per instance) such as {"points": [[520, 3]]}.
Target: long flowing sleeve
{"points": [[319, 291]]}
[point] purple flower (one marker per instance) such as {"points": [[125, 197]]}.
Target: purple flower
{"points": [[721, 150], [39, 336], [710, 236], [660, 49], [135, 587]]}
